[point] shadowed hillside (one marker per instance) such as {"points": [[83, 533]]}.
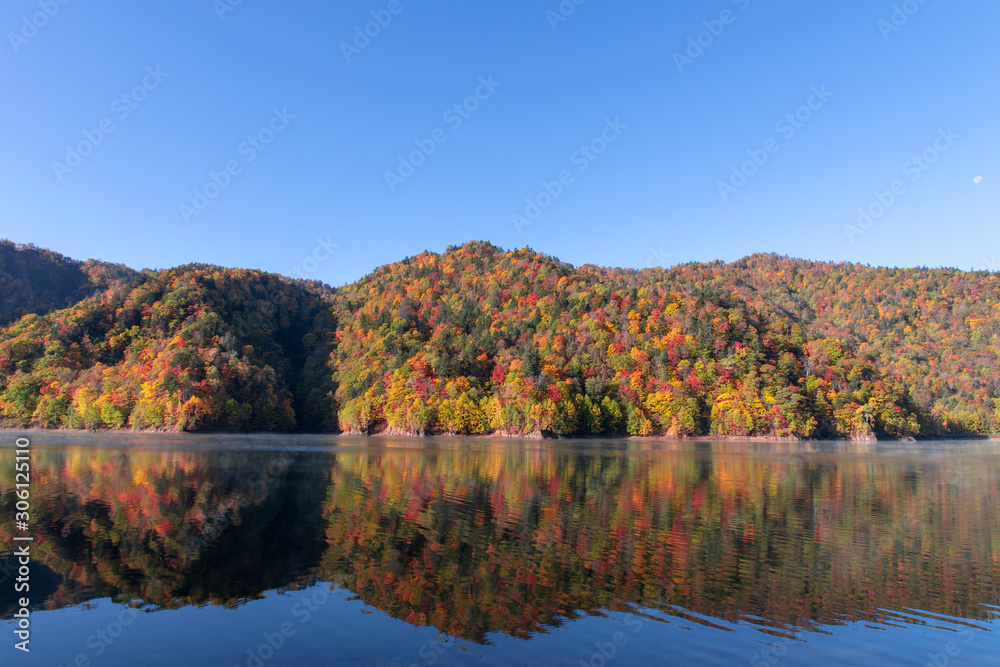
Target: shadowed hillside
{"points": [[35, 280]]}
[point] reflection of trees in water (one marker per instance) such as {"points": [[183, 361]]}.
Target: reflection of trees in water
{"points": [[475, 543], [513, 540], [175, 528]]}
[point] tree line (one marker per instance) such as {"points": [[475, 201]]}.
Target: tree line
{"points": [[479, 340]]}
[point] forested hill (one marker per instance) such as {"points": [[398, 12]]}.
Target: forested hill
{"points": [[35, 280], [479, 340]]}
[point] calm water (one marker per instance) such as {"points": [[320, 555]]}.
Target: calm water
{"points": [[314, 551]]}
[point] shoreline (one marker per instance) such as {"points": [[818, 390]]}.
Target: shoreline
{"points": [[539, 437]]}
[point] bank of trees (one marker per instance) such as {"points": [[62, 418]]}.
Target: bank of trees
{"points": [[194, 348], [479, 340]]}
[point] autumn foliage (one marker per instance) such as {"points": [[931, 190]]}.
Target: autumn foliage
{"points": [[479, 341]]}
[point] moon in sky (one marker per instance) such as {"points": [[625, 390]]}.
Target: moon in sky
{"points": [[977, 180]]}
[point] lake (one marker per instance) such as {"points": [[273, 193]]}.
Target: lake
{"points": [[308, 550]]}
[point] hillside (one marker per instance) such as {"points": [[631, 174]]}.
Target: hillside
{"points": [[479, 340], [191, 348], [35, 280]]}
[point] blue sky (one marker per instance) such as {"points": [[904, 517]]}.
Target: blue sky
{"points": [[639, 121]]}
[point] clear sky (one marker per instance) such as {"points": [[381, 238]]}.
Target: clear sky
{"points": [[114, 114]]}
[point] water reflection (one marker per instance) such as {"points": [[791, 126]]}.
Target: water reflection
{"points": [[516, 538]]}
